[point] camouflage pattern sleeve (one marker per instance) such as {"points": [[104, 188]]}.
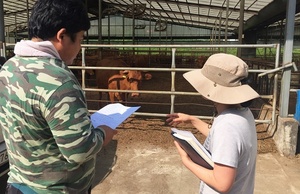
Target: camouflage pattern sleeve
{"points": [[69, 122], [46, 125]]}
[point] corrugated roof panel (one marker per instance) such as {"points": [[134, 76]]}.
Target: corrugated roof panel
{"points": [[181, 11], [214, 13], [203, 11], [174, 8], [155, 13], [219, 3], [164, 14], [194, 9], [180, 16], [15, 13], [164, 6], [197, 19], [193, 1], [155, 5], [186, 17], [235, 14]]}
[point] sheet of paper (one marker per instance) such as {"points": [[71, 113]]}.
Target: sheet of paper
{"points": [[112, 115]]}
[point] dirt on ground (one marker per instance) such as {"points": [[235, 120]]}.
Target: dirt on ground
{"points": [[139, 131]]}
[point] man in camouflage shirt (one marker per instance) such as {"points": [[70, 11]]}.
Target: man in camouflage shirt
{"points": [[46, 125]]}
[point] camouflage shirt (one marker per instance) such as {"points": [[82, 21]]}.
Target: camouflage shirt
{"points": [[46, 126]]}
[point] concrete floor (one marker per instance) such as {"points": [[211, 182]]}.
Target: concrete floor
{"points": [[159, 171], [153, 170]]}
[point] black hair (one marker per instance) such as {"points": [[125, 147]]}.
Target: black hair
{"points": [[49, 16]]}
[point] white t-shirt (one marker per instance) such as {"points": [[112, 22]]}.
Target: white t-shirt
{"points": [[232, 141]]}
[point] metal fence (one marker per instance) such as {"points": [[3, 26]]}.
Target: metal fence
{"points": [[173, 69]]}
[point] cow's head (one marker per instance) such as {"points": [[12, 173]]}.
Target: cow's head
{"points": [[134, 77]]}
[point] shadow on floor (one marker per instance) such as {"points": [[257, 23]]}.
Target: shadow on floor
{"points": [[105, 161]]}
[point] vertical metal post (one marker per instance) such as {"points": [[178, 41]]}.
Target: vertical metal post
{"points": [[266, 42], [241, 27], [108, 28], [287, 57], [100, 21], [150, 10], [226, 27], [167, 34], [281, 39], [211, 35], [133, 25], [215, 36], [2, 35], [83, 65], [87, 32], [123, 32], [16, 28], [27, 11], [7, 33], [100, 27], [219, 35], [173, 66], [275, 90]]}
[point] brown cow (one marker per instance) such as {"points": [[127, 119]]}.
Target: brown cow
{"points": [[130, 81], [102, 76], [139, 61]]}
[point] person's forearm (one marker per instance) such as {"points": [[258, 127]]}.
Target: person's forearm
{"points": [[200, 125], [219, 181], [202, 173]]}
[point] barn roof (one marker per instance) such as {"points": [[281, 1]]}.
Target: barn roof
{"points": [[221, 14]]}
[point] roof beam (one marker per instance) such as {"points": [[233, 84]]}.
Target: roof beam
{"points": [[275, 11], [186, 14], [196, 15], [204, 6], [196, 24]]}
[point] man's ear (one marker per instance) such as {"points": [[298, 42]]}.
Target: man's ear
{"points": [[57, 40], [61, 34]]}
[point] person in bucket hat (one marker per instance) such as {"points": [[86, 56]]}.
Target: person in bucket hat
{"points": [[231, 138]]}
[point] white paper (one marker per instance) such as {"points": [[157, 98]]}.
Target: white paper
{"points": [[112, 115]]}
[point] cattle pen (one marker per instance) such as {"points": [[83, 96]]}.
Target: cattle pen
{"points": [[143, 148], [258, 72]]}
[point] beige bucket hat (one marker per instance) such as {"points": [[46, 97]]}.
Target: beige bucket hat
{"points": [[220, 80]]}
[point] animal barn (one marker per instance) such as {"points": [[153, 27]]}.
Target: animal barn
{"points": [[136, 52]]}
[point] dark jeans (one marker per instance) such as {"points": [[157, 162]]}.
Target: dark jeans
{"points": [[19, 189], [11, 189]]}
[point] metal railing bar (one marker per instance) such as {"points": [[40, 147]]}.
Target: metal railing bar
{"points": [[200, 117], [156, 92], [180, 46], [151, 69]]}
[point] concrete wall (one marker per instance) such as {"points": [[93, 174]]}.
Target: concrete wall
{"points": [[284, 132]]}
